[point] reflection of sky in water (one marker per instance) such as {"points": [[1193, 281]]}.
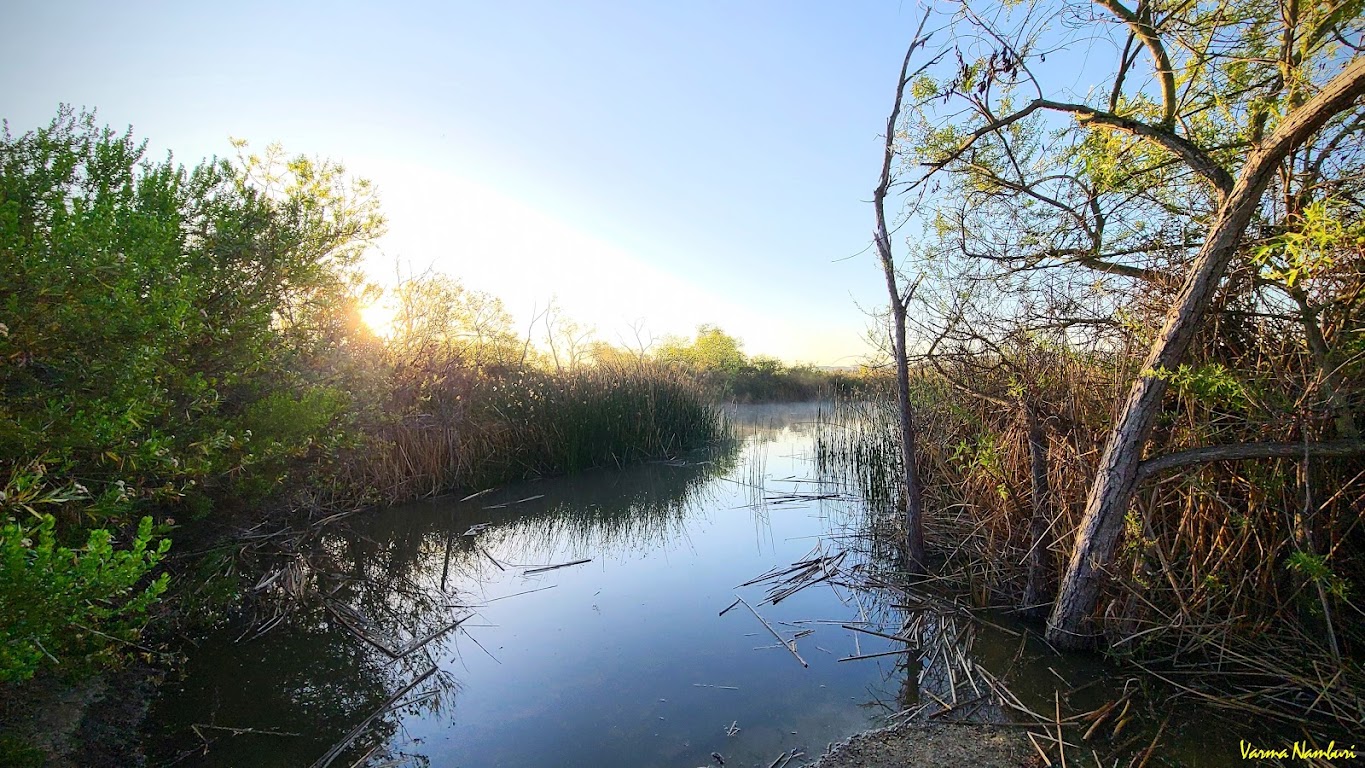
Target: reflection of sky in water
{"points": [[620, 661], [606, 667]]}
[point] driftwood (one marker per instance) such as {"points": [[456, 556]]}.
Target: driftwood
{"points": [[877, 655], [789, 645], [492, 559], [545, 568], [518, 501], [878, 634]]}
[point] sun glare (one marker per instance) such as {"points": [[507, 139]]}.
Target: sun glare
{"points": [[378, 317]]}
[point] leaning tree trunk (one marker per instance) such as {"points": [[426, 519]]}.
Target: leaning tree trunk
{"points": [[1112, 491]]}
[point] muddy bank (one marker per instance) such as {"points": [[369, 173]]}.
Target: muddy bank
{"points": [[92, 723], [925, 746]]}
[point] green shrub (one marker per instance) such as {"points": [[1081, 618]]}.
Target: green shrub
{"points": [[71, 607]]}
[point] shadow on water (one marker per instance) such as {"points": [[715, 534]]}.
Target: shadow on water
{"points": [[445, 632]]}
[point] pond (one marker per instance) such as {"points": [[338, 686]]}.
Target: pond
{"points": [[439, 633]]}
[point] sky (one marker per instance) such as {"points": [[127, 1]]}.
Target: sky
{"points": [[662, 163]]}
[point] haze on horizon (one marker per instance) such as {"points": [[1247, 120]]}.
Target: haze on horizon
{"points": [[656, 165]]}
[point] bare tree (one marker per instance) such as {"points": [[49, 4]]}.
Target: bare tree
{"points": [[913, 498]]}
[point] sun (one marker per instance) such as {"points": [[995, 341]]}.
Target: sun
{"points": [[378, 317]]}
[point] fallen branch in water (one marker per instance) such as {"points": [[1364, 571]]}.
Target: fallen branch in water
{"points": [[518, 501], [492, 559], [475, 529], [237, 731], [545, 568], [876, 655], [878, 634], [791, 646]]}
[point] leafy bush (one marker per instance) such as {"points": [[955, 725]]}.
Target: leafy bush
{"points": [[71, 607], [170, 342]]}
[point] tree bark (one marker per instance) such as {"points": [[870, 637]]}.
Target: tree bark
{"points": [[1112, 491]]}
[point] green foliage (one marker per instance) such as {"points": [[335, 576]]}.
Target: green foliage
{"points": [[712, 351], [1314, 568], [169, 343], [717, 358], [283, 430], [1311, 247], [1212, 383], [71, 607], [152, 314], [16, 752], [981, 454]]}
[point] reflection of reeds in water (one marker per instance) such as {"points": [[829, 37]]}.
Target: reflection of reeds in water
{"points": [[755, 479], [371, 628], [639, 509], [855, 444]]}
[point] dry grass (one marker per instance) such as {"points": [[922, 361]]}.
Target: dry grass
{"points": [[1233, 580], [482, 429]]}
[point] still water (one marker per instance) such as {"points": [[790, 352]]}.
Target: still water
{"points": [[623, 660]]}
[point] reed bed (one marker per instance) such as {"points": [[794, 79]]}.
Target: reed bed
{"points": [[1233, 581], [480, 429]]}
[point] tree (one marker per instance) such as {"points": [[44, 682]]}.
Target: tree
{"points": [[712, 351], [570, 343], [439, 324], [913, 496], [1147, 184]]}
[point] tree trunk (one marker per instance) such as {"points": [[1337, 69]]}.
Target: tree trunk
{"points": [[1035, 600], [1107, 504], [914, 498]]}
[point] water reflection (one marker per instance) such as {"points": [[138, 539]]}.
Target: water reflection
{"points": [[427, 635], [622, 660]]}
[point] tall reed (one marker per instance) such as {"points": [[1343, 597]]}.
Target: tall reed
{"points": [[1233, 580], [487, 427]]}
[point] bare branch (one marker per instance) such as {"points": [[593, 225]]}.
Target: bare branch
{"points": [[1242, 451], [1149, 37]]}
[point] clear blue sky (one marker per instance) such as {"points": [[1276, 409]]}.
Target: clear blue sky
{"points": [[677, 162]]}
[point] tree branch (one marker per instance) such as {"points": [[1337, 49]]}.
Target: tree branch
{"points": [[1241, 451], [1186, 150], [1147, 34], [1182, 147]]}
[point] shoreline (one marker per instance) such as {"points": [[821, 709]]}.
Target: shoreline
{"points": [[925, 745]]}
